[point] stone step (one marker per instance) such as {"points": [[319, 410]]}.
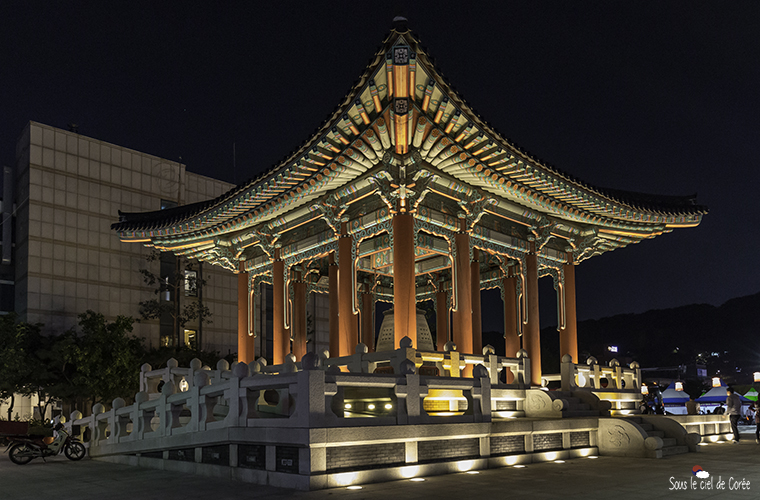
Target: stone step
{"points": [[578, 407], [659, 434], [668, 442], [646, 427], [579, 413], [674, 450]]}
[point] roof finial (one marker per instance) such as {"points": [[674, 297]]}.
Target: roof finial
{"points": [[399, 24]]}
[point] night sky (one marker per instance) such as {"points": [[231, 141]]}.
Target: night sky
{"points": [[655, 97]]}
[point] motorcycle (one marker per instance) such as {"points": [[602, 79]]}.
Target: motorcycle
{"points": [[24, 449]]}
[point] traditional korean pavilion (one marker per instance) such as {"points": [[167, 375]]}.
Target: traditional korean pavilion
{"points": [[405, 194]]}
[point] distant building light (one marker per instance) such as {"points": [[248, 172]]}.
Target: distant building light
{"points": [[756, 376], [716, 382], [612, 348], [679, 386]]}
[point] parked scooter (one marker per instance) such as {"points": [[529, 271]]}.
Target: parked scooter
{"points": [[23, 449]]}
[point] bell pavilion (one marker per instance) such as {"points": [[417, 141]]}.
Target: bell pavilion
{"points": [[403, 195]]}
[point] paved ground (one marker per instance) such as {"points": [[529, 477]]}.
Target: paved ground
{"points": [[602, 478]]}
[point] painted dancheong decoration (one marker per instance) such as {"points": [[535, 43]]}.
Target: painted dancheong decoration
{"points": [[405, 194]]}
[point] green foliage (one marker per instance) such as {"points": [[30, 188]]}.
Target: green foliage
{"points": [[175, 285], [15, 370], [107, 358]]}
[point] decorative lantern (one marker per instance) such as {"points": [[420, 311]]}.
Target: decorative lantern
{"points": [[679, 386], [716, 382], [183, 385], [644, 389]]}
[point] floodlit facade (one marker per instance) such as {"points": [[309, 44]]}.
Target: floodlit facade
{"points": [[68, 189]]}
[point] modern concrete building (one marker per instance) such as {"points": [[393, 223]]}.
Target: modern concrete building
{"points": [[68, 190]]}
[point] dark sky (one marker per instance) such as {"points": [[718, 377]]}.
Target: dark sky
{"points": [[656, 97]]}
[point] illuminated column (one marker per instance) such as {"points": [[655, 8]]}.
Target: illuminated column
{"points": [[334, 327], [477, 330], [462, 317], [568, 336], [280, 334], [298, 321], [511, 320], [404, 290], [532, 336], [348, 330], [441, 317], [368, 318], [246, 351]]}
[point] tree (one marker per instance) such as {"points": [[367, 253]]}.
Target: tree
{"points": [[107, 358], [14, 367], [173, 281]]}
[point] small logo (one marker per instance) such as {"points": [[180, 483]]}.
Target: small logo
{"points": [[698, 471]]}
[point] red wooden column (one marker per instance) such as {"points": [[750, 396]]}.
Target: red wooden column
{"points": [[348, 330], [298, 320], [511, 320], [477, 329], [441, 317], [532, 336], [462, 317], [246, 351], [368, 318], [334, 327], [404, 289], [281, 335], [568, 336]]}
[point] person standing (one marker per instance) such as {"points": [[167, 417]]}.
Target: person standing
{"points": [[733, 410], [692, 407]]}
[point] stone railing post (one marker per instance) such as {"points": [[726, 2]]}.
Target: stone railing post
{"points": [[408, 405], [522, 377], [481, 394], [567, 372]]}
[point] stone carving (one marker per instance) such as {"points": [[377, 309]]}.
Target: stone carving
{"points": [[618, 436]]}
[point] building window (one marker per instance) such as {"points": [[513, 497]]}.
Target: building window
{"points": [[191, 283], [190, 338]]}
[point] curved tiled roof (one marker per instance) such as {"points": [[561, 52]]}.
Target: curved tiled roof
{"points": [[256, 197]]}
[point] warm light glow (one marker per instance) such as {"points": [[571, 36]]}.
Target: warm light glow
{"points": [[593, 456], [519, 466], [388, 406], [417, 479], [716, 382], [644, 389], [183, 385], [581, 380], [410, 471], [701, 444], [552, 455], [756, 375], [679, 386], [730, 436], [465, 465], [510, 460], [348, 406], [472, 472], [355, 487], [370, 406], [714, 439], [346, 478], [559, 461]]}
